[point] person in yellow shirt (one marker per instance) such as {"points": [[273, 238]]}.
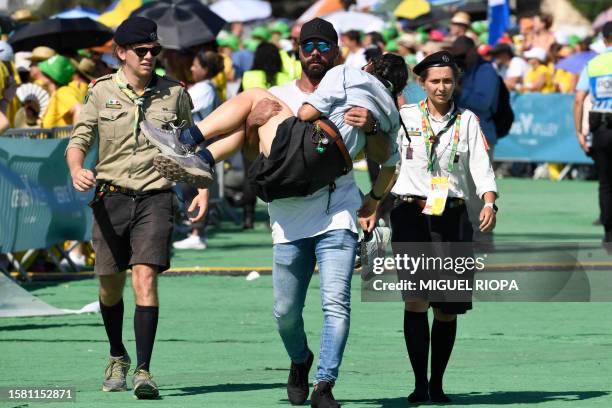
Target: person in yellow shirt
{"points": [[538, 77], [267, 69], [65, 102]]}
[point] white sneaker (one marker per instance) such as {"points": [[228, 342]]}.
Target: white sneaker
{"points": [[191, 242]]}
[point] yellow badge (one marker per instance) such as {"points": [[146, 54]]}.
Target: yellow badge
{"points": [[437, 196]]}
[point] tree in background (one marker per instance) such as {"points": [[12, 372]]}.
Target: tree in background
{"points": [[591, 8]]}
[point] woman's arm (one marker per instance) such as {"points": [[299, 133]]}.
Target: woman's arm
{"points": [[308, 113]]}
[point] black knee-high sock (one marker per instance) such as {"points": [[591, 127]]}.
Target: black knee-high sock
{"points": [[145, 327], [416, 335], [442, 342], [113, 323]]}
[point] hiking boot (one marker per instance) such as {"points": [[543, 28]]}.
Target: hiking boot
{"points": [[167, 141], [144, 386], [114, 375], [297, 384], [190, 169], [322, 396]]}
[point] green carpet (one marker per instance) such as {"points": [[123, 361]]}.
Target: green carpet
{"points": [[217, 344]]}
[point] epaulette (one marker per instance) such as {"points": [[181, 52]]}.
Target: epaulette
{"points": [[173, 80], [97, 80]]}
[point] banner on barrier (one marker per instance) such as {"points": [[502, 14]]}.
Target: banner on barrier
{"points": [[38, 205], [543, 131]]}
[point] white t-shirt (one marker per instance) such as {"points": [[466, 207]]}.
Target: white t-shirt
{"points": [[204, 98], [302, 217], [356, 59], [516, 69]]}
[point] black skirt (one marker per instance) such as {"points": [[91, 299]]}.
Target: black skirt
{"points": [[410, 225]]}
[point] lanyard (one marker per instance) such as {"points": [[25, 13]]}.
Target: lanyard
{"points": [[431, 139], [138, 100]]}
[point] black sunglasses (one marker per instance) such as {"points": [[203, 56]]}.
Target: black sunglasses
{"points": [[142, 51]]}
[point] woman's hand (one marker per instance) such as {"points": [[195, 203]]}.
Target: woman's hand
{"points": [[368, 213], [487, 219]]}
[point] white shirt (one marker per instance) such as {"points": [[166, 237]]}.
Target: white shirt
{"points": [[356, 59], [302, 217], [516, 69], [204, 98], [473, 160]]}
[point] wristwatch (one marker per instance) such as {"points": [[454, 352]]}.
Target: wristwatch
{"points": [[493, 206], [374, 129]]}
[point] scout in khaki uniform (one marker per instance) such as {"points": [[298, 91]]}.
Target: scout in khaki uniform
{"points": [[133, 205]]}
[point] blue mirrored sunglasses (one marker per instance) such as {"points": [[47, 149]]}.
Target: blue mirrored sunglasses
{"points": [[322, 46]]}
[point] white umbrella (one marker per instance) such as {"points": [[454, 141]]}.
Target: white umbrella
{"points": [[344, 21], [242, 10]]}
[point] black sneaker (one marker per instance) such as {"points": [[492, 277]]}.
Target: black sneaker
{"points": [[297, 384], [322, 396]]}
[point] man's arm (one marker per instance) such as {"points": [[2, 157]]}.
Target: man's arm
{"points": [[82, 179], [368, 213], [261, 113]]}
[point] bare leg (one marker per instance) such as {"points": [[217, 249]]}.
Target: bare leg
{"points": [[233, 114], [227, 146]]}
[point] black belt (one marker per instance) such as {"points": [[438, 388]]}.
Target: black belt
{"points": [[112, 188], [451, 202]]}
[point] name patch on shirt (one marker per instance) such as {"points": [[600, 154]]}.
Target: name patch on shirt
{"points": [[414, 132], [113, 104]]}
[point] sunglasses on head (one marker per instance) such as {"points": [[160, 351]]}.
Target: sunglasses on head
{"points": [[322, 46], [142, 51]]}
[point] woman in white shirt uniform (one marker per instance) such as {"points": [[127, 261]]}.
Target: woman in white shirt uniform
{"points": [[444, 145]]}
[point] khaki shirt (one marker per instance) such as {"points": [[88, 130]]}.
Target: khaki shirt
{"points": [[108, 115]]}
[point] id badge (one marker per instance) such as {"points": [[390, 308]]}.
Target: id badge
{"points": [[409, 152], [437, 196]]}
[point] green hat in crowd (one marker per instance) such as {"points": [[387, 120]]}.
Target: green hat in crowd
{"points": [[391, 46], [261, 33], [229, 41], [282, 28], [573, 40], [484, 38], [58, 68], [389, 33], [251, 44], [479, 27]]}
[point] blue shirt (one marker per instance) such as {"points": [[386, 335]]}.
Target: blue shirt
{"points": [[344, 87], [480, 94], [243, 61], [585, 86]]}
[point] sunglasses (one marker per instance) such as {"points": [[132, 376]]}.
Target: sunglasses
{"points": [[322, 46], [142, 51]]}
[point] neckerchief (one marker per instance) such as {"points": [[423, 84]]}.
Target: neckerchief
{"points": [[138, 100], [431, 139]]}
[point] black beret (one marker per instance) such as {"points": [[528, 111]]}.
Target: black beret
{"points": [[437, 59], [136, 30], [319, 29]]}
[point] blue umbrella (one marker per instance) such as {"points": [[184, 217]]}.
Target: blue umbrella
{"points": [[79, 12], [575, 63]]}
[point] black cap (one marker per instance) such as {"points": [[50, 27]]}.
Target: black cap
{"points": [[437, 59], [607, 30], [136, 30], [502, 49], [319, 29]]}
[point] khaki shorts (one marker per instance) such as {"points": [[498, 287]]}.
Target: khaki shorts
{"points": [[133, 229]]}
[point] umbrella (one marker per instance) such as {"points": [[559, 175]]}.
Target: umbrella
{"points": [[242, 10], [60, 34], [6, 23], [411, 9], [602, 18], [78, 12], [352, 20], [321, 8], [182, 24], [434, 16], [575, 62], [117, 12]]}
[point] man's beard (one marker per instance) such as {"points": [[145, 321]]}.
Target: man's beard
{"points": [[317, 73]]}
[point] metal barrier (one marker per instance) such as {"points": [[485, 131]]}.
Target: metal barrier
{"points": [[39, 133]]}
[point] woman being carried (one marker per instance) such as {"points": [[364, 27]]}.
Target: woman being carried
{"points": [[375, 88]]}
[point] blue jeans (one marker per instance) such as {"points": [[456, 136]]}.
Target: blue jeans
{"points": [[294, 264]]}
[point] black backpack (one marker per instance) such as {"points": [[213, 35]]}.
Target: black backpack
{"points": [[503, 116]]}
